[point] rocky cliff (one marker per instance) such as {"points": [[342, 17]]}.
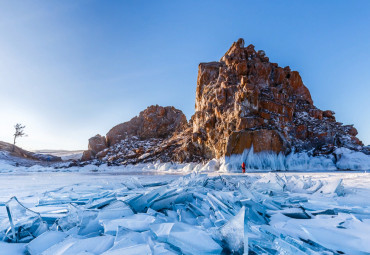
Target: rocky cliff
{"points": [[243, 101]]}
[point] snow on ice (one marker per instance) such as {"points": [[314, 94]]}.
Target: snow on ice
{"points": [[257, 213]]}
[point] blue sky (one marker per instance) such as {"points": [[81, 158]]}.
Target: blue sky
{"points": [[72, 69]]}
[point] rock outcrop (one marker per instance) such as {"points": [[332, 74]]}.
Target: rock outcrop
{"points": [[151, 135], [154, 122], [243, 101], [96, 144]]}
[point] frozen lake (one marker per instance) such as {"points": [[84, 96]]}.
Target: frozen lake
{"points": [[144, 213]]}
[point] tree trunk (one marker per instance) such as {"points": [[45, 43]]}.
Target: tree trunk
{"points": [[14, 143]]}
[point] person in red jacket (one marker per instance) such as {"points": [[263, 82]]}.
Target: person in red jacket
{"points": [[243, 167]]}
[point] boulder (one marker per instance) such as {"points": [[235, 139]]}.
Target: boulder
{"points": [[97, 143], [101, 154], [87, 155]]}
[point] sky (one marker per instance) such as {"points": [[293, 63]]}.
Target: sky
{"points": [[72, 69]]}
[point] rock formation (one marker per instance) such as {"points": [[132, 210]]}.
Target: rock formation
{"points": [[153, 135], [154, 122], [242, 102]]}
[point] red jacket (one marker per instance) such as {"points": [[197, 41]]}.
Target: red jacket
{"points": [[243, 165]]}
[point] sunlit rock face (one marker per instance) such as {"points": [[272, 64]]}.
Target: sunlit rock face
{"points": [[244, 100], [157, 133], [97, 143], [154, 122]]}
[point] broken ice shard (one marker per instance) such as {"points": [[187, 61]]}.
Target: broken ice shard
{"points": [[256, 213], [296, 213], [12, 248], [72, 245], [141, 203], [162, 230], [83, 221], [234, 233], [25, 224], [45, 241], [162, 249], [192, 240], [143, 249], [332, 187], [128, 236], [137, 222], [115, 210], [100, 202]]}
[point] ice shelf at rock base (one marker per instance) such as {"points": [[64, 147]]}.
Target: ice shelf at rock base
{"points": [[343, 159], [346, 160], [195, 214]]}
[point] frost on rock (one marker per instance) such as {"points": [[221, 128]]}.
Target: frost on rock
{"points": [[343, 159], [193, 214]]}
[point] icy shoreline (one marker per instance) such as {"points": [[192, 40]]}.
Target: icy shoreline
{"points": [[342, 159]]}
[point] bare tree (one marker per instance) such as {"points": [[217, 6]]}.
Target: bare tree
{"points": [[19, 131]]}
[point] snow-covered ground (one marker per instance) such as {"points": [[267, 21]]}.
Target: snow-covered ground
{"points": [[144, 213]]}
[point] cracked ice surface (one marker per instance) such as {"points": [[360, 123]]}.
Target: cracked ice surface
{"points": [[290, 213]]}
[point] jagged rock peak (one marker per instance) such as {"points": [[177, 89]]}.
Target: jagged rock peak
{"points": [[244, 100]]}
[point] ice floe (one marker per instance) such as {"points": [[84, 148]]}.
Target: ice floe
{"points": [[194, 214]]}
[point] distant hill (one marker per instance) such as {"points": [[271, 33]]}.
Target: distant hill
{"points": [[8, 150], [64, 154]]}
